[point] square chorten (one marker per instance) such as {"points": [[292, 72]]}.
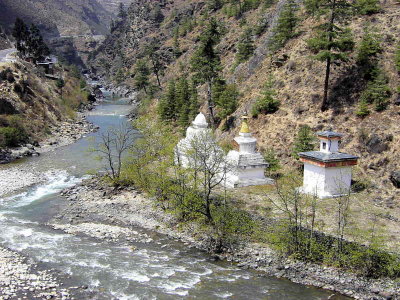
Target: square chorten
{"points": [[327, 172]]}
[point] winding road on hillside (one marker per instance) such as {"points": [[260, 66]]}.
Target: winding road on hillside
{"points": [[5, 55]]}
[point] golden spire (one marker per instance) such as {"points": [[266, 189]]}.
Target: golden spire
{"points": [[245, 125]]}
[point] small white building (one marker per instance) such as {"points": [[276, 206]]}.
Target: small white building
{"points": [[327, 172], [248, 165], [198, 129]]}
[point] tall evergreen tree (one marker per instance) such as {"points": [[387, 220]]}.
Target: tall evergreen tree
{"points": [[21, 34], [368, 50], [286, 27], [245, 48], [142, 73], [167, 107], [206, 63], [36, 45], [331, 42]]}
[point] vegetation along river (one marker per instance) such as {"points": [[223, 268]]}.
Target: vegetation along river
{"points": [[161, 269]]}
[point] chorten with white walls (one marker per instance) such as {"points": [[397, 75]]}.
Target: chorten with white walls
{"points": [[327, 172], [248, 165], [198, 128]]}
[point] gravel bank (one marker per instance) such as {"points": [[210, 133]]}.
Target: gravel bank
{"points": [[22, 279], [91, 207]]}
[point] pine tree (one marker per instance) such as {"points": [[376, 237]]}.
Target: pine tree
{"points": [[36, 45], [194, 101], [167, 107], [363, 109], [304, 141], [142, 73], [331, 42], [272, 160], [227, 100], [206, 63], [286, 27], [377, 91], [368, 50], [176, 47], [245, 48], [268, 103], [215, 4], [20, 33], [157, 64], [367, 7], [183, 101]]}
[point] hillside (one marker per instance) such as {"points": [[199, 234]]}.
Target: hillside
{"points": [[298, 77], [31, 105], [58, 18]]}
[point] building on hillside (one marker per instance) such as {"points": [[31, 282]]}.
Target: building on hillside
{"points": [[327, 172], [248, 165], [198, 129]]}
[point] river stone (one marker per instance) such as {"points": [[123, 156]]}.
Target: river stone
{"points": [[395, 179]]}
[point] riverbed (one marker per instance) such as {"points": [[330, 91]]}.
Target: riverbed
{"points": [[152, 267]]}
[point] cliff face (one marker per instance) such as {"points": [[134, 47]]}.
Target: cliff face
{"points": [[298, 78]]}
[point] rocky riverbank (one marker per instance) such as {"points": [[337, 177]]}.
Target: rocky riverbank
{"points": [[101, 212], [23, 279], [62, 134]]}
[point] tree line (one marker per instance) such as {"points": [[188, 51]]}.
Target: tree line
{"points": [[29, 41]]}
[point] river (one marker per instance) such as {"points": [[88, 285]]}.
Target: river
{"points": [[161, 269]]}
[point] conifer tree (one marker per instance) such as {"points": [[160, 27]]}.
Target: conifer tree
{"points": [[245, 48], [363, 109], [142, 73], [331, 42], [20, 33], [167, 107], [377, 91], [183, 101], [286, 27], [368, 50], [194, 101], [227, 100], [157, 65], [36, 45], [206, 63], [304, 141], [268, 103], [367, 7]]}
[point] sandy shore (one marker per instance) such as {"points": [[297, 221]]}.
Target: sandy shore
{"points": [[93, 208]]}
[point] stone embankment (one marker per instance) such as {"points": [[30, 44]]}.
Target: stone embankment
{"points": [[101, 212]]}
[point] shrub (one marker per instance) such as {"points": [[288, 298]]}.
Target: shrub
{"points": [[11, 136], [304, 141], [267, 104]]}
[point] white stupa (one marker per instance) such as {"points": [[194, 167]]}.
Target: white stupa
{"points": [[199, 127], [248, 165], [328, 172]]}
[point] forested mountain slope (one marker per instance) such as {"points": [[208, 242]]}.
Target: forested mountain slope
{"points": [[371, 126]]}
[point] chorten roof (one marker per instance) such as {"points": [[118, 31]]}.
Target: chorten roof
{"points": [[200, 121], [327, 157], [329, 134]]}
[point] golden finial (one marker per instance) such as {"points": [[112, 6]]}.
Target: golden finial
{"points": [[245, 125]]}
